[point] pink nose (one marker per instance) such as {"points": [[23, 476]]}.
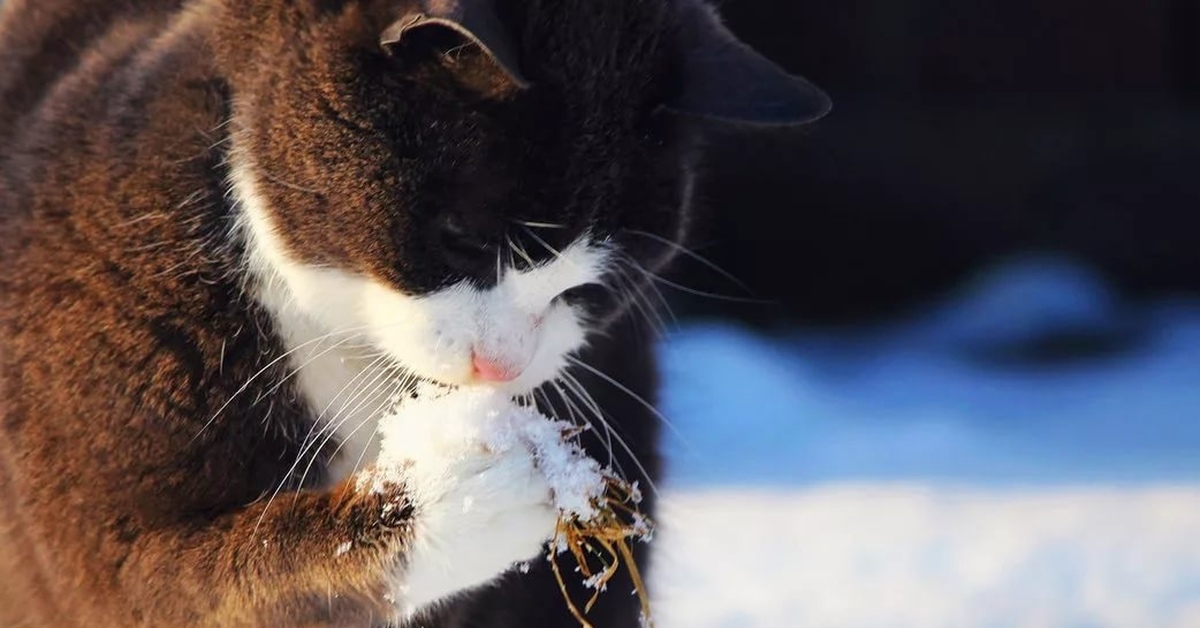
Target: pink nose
{"points": [[492, 371]]}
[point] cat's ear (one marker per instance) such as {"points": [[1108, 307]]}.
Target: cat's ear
{"points": [[724, 79], [474, 20]]}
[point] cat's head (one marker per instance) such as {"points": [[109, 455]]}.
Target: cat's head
{"points": [[473, 186]]}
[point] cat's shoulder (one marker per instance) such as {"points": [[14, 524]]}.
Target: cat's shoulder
{"points": [[61, 54]]}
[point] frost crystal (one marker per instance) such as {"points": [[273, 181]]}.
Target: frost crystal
{"points": [[486, 416], [642, 527], [596, 582]]}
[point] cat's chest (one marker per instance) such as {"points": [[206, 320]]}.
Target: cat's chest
{"points": [[345, 389], [346, 394]]}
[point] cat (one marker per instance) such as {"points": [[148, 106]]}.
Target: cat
{"points": [[234, 231]]}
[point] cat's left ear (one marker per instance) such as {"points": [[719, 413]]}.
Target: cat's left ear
{"points": [[724, 79], [474, 20]]}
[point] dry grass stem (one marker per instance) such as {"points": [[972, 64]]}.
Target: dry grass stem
{"points": [[601, 545]]}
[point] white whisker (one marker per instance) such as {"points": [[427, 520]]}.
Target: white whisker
{"points": [[539, 225], [397, 386], [264, 369], [519, 250], [577, 414], [640, 301], [378, 390], [339, 344], [307, 445], [694, 255], [573, 385], [546, 245], [318, 425], [650, 285], [625, 389]]}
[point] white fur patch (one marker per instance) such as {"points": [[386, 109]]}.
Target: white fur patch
{"points": [[482, 504], [517, 323]]}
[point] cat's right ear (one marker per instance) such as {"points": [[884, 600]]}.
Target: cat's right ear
{"points": [[475, 21], [724, 79]]}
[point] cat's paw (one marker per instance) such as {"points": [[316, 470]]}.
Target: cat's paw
{"points": [[495, 512], [480, 503]]}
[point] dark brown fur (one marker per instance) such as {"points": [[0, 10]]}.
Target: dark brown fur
{"points": [[130, 494]]}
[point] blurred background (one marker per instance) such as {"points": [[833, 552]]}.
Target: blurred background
{"points": [[957, 380]]}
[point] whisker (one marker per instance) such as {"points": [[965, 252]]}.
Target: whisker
{"points": [[585, 398], [346, 411], [639, 299], [379, 363], [662, 300], [312, 359], [513, 246], [539, 225], [653, 278], [573, 412], [367, 445], [266, 174], [264, 369], [625, 389], [499, 268], [306, 446], [317, 427], [694, 255], [379, 389], [362, 455], [572, 409], [619, 287], [396, 386], [709, 295], [546, 245]]}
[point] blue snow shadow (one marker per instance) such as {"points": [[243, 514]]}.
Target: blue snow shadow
{"points": [[915, 401]]}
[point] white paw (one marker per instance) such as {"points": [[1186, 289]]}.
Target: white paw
{"points": [[481, 504]]}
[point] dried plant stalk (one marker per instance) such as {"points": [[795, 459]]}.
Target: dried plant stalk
{"points": [[606, 537]]}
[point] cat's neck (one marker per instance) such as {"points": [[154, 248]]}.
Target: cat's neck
{"points": [[345, 387]]}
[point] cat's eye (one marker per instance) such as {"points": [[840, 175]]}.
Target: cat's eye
{"points": [[455, 233], [464, 248]]}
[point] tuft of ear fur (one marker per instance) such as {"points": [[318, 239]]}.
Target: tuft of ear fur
{"points": [[474, 20], [724, 79]]}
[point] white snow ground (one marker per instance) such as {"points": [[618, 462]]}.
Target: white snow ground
{"points": [[897, 479], [879, 556]]}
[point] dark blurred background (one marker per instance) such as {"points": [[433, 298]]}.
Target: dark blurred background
{"points": [[964, 133]]}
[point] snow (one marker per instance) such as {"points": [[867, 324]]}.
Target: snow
{"points": [[919, 475], [437, 423], [883, 556]]}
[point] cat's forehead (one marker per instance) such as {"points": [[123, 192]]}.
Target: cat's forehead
{"points": [[601, 32], [592, 46], [610, 57]]}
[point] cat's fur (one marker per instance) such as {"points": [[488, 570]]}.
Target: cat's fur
{"points": [[229, 231]]}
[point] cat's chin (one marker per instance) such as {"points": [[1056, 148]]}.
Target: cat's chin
{"points": [[517, 388], [422, 388]]}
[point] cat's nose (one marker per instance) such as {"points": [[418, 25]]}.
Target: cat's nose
{"points": [[466, 248], [489, 369]]}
